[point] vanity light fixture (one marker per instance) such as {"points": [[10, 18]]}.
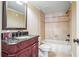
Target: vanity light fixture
{"points": [[25, 1], [19, 2]]}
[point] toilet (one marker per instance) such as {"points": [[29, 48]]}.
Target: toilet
{"points": [[44, 48]]}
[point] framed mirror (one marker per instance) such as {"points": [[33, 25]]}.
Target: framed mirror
{"points": [[14, 15]]}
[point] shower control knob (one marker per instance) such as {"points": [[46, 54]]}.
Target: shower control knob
{"points": [[76, 40]]}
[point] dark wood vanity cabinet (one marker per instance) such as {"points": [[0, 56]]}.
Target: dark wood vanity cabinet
{"points": [[25, 52], [34, 50], [26, 48]]}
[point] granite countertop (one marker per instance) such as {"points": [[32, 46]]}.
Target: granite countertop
{"points": [[16, 40]]}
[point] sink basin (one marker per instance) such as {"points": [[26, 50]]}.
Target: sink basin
{"points": [[23, 37], [10, 41]]}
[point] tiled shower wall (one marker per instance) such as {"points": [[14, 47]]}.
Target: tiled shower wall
{"points": [[56, 26]]}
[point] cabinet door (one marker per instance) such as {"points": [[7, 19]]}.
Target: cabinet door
{"points": [[34, 50], [25, 52]]}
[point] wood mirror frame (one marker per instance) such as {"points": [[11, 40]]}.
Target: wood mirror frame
{"points": [[4, 19]]}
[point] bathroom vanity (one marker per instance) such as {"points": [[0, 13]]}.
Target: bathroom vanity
{"points": [[20, 44], [20, 47]]}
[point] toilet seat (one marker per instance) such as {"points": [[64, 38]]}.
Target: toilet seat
{"points": [[45, 47]]}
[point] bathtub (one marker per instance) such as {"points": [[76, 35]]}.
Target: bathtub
{"points": [[58, 46]]}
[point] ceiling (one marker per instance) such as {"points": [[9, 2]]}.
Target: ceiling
{"points": [[51, 6], [15, 6]]}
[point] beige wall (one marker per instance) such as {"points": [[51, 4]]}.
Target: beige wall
{"points": [[15, 19], [42, 25], [73, 27], [56, 27], [0, 24], [35, 22]]}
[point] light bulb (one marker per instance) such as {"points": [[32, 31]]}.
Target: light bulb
{"points": [[19, 2]]}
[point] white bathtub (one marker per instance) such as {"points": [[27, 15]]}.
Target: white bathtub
{"points": [[60, 46]]}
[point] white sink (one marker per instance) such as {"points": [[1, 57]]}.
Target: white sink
{"points": [[23, 37]]}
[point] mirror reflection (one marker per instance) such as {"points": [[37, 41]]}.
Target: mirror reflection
{"points": [[16, 14]]}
